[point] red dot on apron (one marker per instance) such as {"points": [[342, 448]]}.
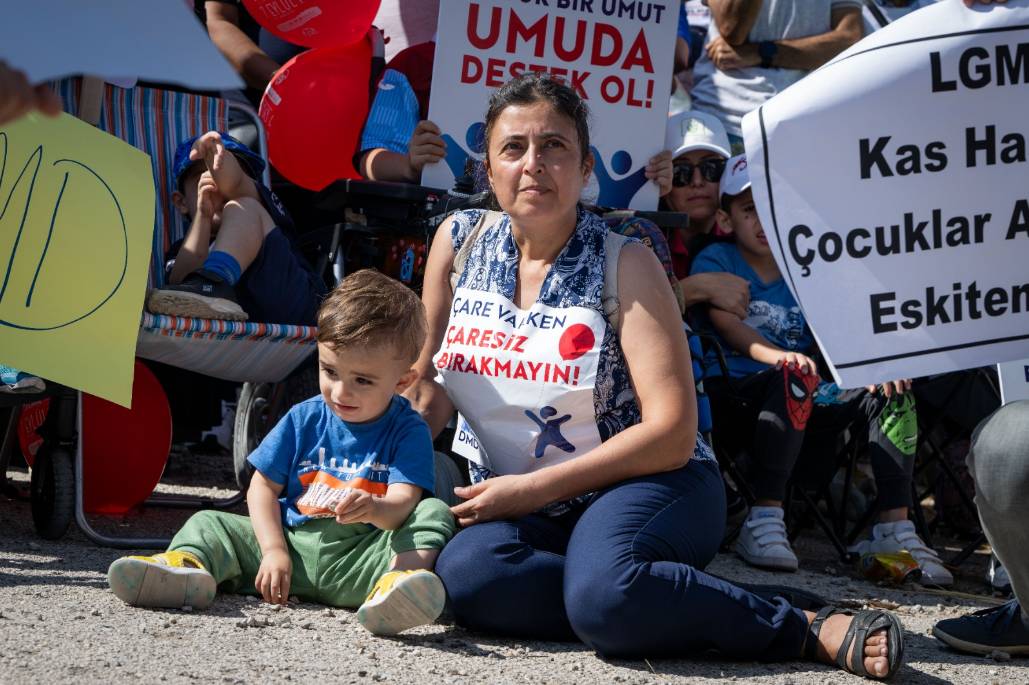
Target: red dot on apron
{"points": [[577, 340]]}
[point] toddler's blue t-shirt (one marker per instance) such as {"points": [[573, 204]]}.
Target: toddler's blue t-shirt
{"points": [[317, 456], [772, 311]]}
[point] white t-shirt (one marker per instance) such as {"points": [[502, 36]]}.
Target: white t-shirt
{"points": [[889, 12], [729, 95]]}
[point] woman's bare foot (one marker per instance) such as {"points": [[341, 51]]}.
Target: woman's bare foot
{"points": [[831, 637]]}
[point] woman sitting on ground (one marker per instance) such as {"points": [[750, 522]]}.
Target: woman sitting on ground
{"points": [[594, 504]]}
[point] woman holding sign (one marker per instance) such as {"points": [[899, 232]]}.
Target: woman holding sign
{"points": [[595, 505]]}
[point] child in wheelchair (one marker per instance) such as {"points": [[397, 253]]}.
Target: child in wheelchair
{"points": [[774, 386], [237, 261]]}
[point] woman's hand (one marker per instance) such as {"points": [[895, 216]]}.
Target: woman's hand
{"points": [[659, 170], [502, 497], [273, 576]]}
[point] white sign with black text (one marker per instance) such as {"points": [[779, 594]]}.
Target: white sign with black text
{"points": [[893, 185]]}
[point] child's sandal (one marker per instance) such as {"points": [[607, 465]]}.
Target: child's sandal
{"points": [[863, 624]]}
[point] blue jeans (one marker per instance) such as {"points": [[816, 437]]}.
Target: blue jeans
{"points": [[623, 575]]}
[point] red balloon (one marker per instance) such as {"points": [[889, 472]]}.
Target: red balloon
{"points": [[315, 23], [313, 112], [124, 450]]}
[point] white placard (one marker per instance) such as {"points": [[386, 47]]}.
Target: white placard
{"points": [[892, 184], [155, 40], [1014, 381], [618, 55]]}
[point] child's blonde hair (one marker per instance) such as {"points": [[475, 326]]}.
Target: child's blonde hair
{"points": [[369, 309]]}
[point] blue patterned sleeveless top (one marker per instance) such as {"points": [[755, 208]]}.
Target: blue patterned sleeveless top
{"points": [[575, 279]]}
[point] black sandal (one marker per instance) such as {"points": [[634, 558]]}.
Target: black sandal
{"points": [[863, 624]]}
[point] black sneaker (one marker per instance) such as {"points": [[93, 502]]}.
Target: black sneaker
{"points": [[201, 295], [1001, 629]]}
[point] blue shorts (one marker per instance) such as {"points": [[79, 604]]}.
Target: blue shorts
{"points": [[279, 287]]}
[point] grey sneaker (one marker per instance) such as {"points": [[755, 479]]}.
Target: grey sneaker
{"points": [[201, 295], [763, 542]]}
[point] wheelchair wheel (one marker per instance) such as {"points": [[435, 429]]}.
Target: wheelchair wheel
{"points": [[260, 407], [53, 492]]}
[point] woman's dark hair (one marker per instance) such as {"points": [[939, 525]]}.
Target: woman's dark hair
{"points": [[532, 87]]}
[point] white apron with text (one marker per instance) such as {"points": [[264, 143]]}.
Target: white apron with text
{"points": [[522, 380]]}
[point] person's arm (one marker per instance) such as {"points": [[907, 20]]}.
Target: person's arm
{"points": [[719, 289], [425, 147], [811, 52], [658, 360], [387, 512], [197, 243], [748, 341], [246, 58], [807, 53], [425, 394], [734, 18], [273, 577]]}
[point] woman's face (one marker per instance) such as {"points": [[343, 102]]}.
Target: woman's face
{"points": [[535, 166], [699, 197]]}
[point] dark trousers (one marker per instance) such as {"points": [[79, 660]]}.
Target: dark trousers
{"points": [[785, 427], [624, 575]]}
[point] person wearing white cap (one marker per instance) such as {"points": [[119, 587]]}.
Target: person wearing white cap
{"points": [[768, 359], [699, 147]]}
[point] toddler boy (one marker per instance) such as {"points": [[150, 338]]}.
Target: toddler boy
{"points": [[336, 508], [771, 370]]}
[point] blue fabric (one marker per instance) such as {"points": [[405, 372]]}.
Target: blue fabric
{"points": [[278, 286], [249, 160], [223, 264], [684, 23], [772, 311], [624, 575], [393, 115], [395, 448]]}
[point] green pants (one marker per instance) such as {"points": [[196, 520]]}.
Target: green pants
{"points": [[333, 564]]}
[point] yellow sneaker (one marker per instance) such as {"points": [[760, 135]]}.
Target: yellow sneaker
{"points": [[169, 580], [402, 600]]}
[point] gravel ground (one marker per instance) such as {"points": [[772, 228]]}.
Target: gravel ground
{"points": [[60, 623]]}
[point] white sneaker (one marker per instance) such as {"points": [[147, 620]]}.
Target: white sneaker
{"points": [[762, 541], [998, 576], [900, 535]]}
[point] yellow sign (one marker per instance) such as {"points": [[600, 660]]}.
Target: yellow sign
{"points": [[76, 221]]}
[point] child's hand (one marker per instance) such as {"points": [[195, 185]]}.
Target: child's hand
{"points": [[425, 147], [273, 577], [356, 506], [207, 196], [221, 164], [890, 388], [796, 360], [659, 170]]}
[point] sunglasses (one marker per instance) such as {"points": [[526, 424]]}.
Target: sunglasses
{"points": [[710, 170]]}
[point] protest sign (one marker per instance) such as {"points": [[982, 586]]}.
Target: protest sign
{"points": [[76, 221], [154, 40], [616, 54], [1014, 380], [891, 186]]}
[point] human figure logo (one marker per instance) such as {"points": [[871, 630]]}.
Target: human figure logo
{"points": [[550, 430]]}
